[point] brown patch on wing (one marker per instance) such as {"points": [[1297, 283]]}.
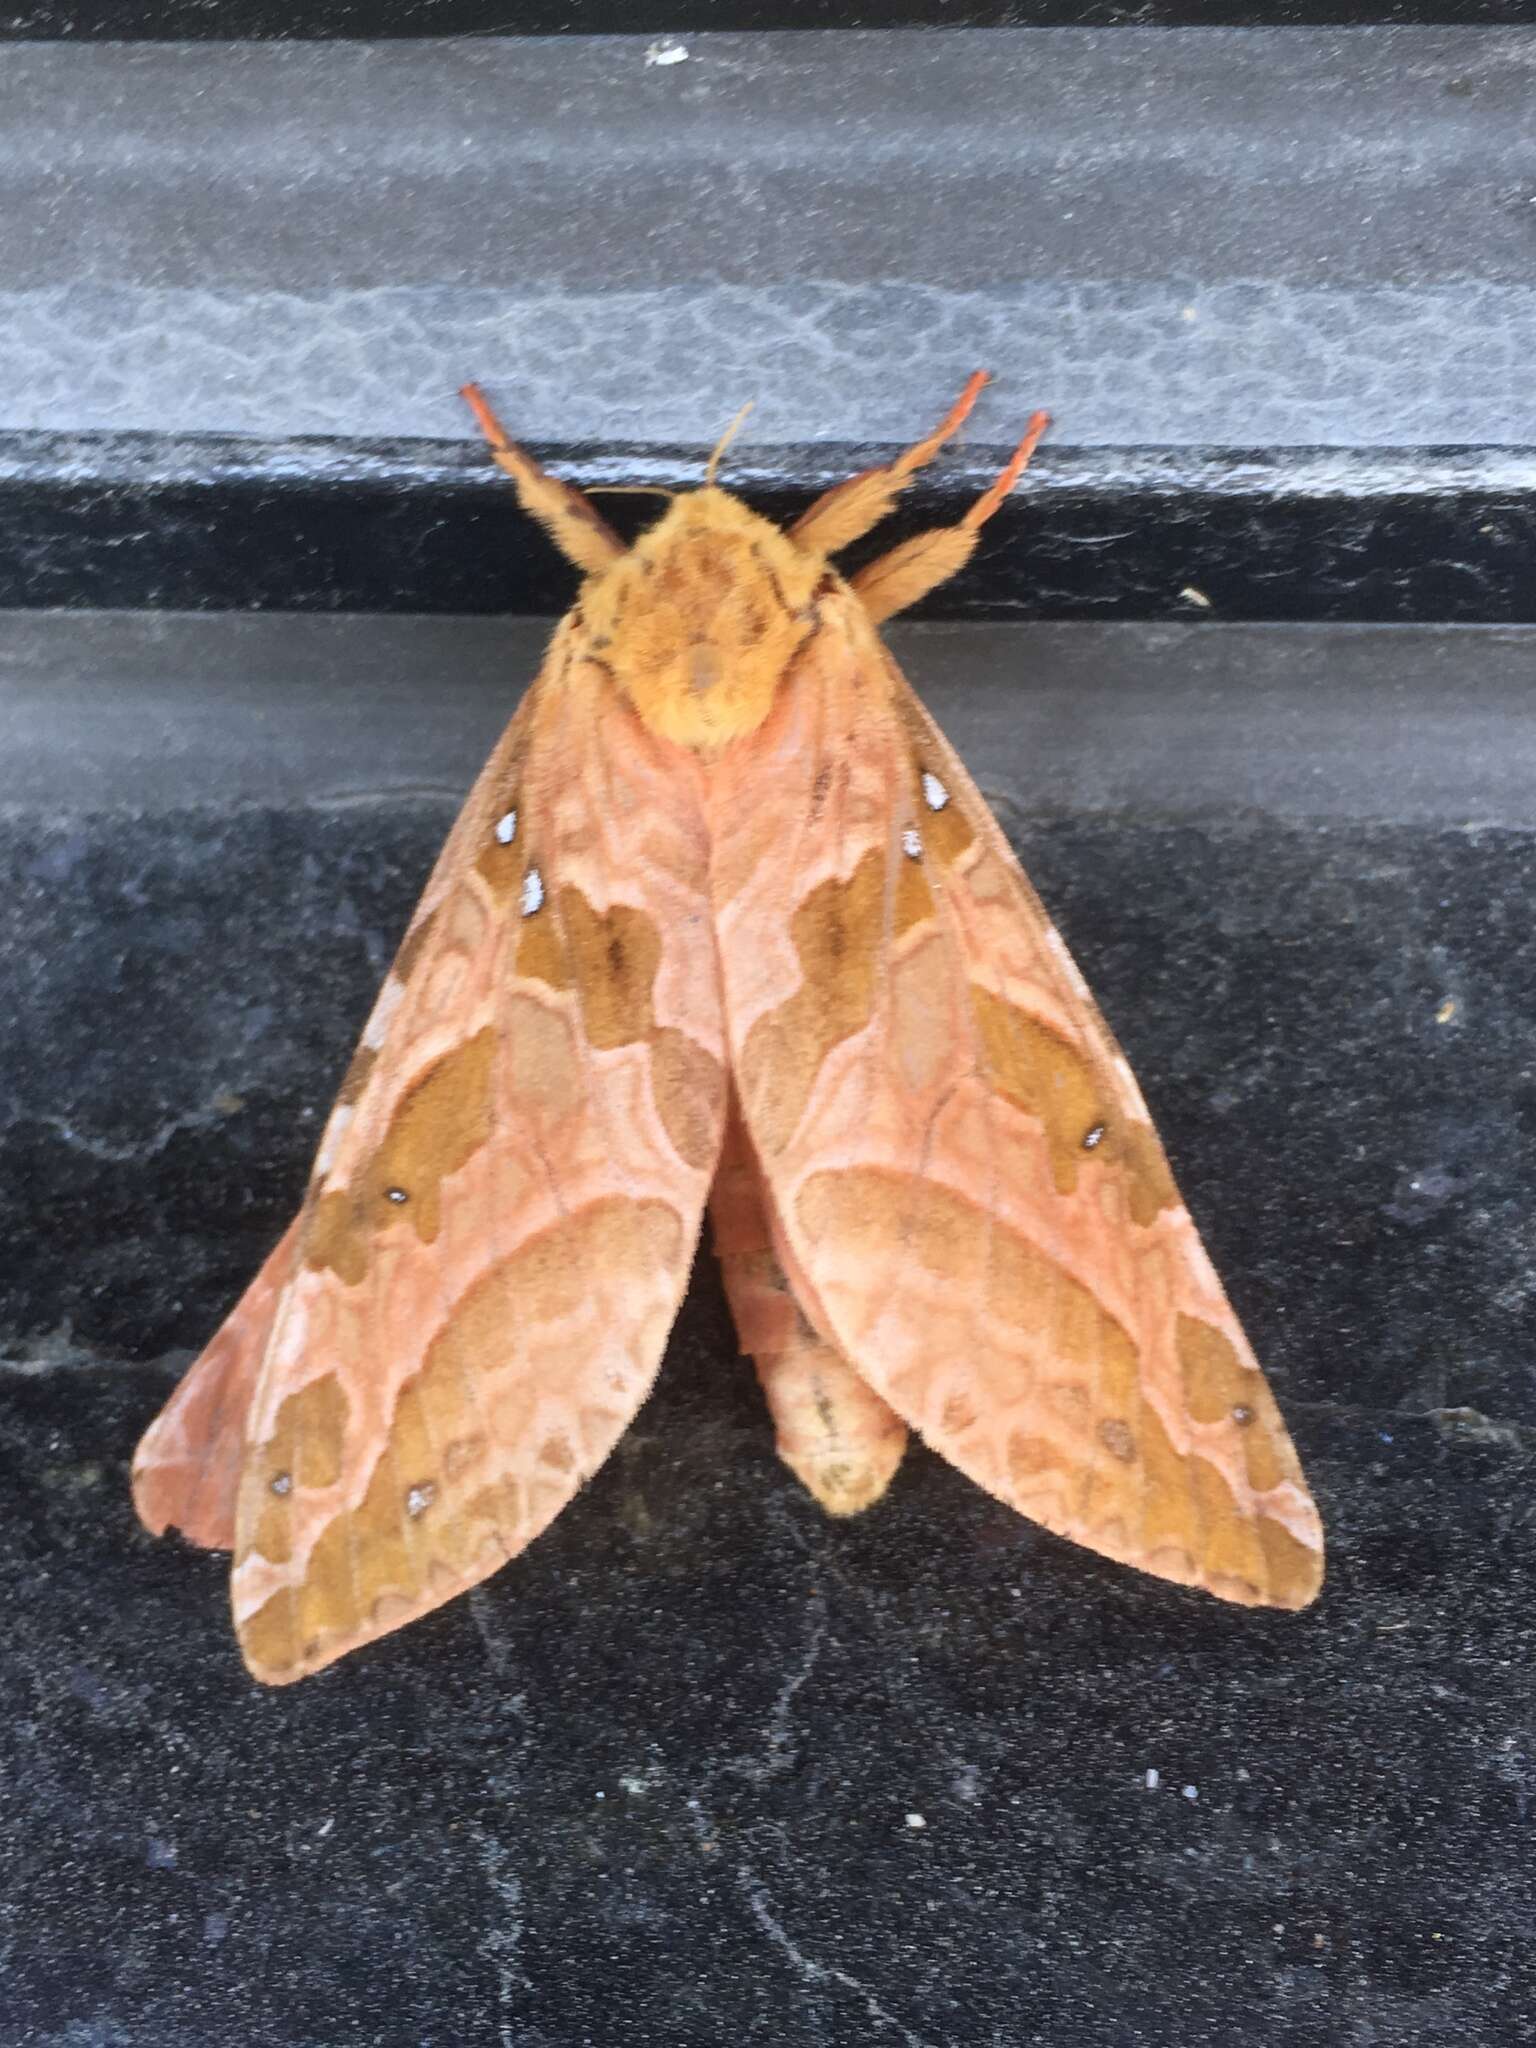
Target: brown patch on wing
{"points": [[611, 959], [437, 1126], [946, 832], [614, 956], [1148, 1183], [305, 1447], [1046, 1077], [542, 954], [839, 933], [1219, 1386], [304, 1453]]}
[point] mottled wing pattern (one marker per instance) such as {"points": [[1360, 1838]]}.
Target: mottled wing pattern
{"points": [[186, 1470], [507, 1197], [971, 1193]]}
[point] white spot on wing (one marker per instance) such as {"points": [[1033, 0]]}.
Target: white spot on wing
{"points": [[911, 843], [533, 892], [935, 795], [420, 1498], [506, 828]]}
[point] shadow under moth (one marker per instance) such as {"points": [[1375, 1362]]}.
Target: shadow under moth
{"points": [[724, 923]]}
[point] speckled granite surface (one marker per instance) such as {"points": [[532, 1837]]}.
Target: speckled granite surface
{"points": [[704, 1766]]}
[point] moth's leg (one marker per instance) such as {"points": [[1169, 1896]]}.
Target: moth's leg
{"points": [[833, 1431], [851, 508], [910, 571], [576, 529]]}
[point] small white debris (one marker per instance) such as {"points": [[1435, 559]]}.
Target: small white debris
{"points": [[420, 1498], [506, 828], [935, 795], [533, 892], [916, 1820], [1154, 1779], [1191, 1792], [911, 843], [664, 52], [1195, 597]]}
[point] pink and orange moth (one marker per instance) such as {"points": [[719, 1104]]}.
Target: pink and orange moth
{"points": [[724, 923]]}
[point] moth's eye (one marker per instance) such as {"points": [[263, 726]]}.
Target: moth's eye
{"points": [[396, 1195], [1095, 1136]]}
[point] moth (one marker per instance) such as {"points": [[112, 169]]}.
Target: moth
{"points": [[724, 924]]}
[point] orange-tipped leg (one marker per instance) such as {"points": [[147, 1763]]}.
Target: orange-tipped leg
{"points": [[910, 571], [851, 508], [576, 529]]}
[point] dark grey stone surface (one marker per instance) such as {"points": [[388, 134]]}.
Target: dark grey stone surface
{"points": [[704, 1766], [1238, 237]]}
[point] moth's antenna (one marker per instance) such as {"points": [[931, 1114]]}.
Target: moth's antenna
{"points": [[578, 531], [988, 503], [725, 441]]}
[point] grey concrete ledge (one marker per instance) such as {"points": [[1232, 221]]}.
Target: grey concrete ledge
{"points": [[1397, 724]]}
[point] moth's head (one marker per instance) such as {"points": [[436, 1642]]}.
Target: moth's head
{"points": [[700, 621], [702, 617]]}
